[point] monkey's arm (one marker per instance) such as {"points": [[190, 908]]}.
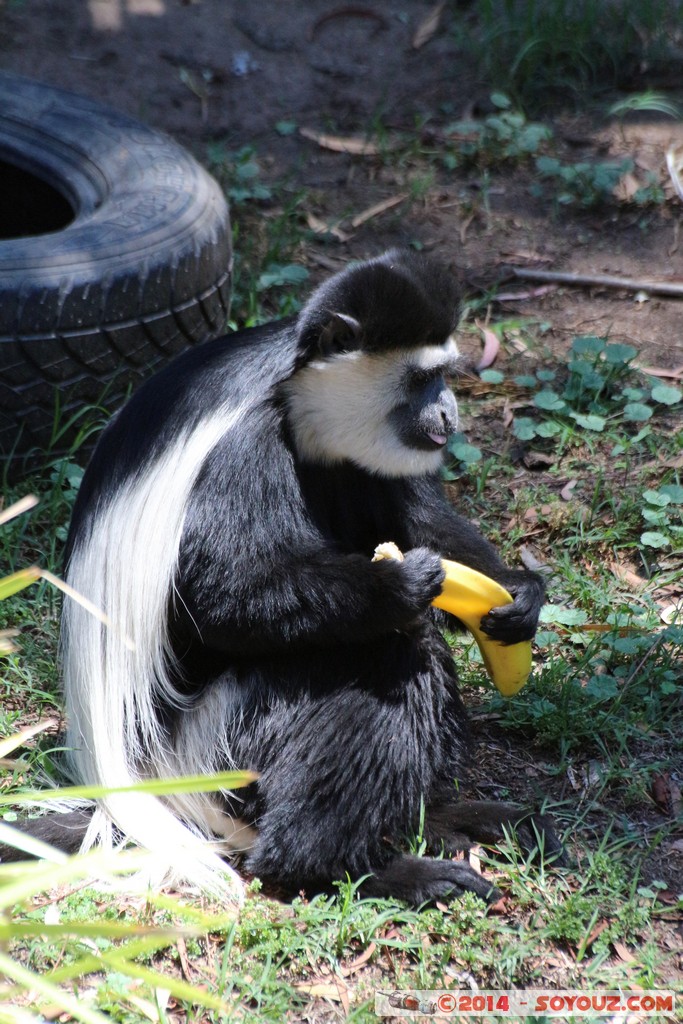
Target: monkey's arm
{"points": [[432, 522], [294, 596], [256, 575]]}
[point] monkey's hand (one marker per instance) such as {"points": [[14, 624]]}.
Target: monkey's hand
{"points": [[421, 576], [512, 623]]}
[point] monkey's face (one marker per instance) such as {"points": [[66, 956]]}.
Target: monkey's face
{"points": [[389, 413]]}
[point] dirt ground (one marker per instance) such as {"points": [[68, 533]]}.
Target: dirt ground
{"points": [[229, 71]]}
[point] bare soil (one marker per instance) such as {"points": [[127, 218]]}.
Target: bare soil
{"points": [[207, 70], [229, 71]]}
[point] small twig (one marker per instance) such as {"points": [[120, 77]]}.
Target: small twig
{"points": [[672, 288], [184, 961], [374, 211], [654, 649], [535, 293]]}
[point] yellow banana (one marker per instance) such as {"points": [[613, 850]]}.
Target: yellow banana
{"points": [[469, 595]]}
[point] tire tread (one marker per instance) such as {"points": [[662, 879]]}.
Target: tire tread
{"points": [[143, 271]]}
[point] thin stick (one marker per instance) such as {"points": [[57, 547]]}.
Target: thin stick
{"points": [[673, 288], [374, 211]]}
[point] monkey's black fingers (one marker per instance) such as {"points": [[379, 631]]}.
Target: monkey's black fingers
{"points": [[508, 626], [513, 623], [420, 880], [423, 576]]}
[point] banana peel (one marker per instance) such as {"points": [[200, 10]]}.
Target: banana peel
{"points": [[469, 595]]}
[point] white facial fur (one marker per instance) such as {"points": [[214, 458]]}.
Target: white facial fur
{"points": [[340, 409]]}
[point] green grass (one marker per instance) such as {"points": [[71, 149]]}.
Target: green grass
{"points": [[277, 960], [267, 238]]}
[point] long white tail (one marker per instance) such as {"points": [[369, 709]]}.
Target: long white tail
{"points": [[113, 676]]}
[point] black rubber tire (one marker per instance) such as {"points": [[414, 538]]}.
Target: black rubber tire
{"points": [[89, 308]]}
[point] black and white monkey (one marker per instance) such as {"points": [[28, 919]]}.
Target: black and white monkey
{"points": [[226, 525]]}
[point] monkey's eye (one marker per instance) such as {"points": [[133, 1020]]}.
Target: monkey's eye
{"points": [[419, 378]]}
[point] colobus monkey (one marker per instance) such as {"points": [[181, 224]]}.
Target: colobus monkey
{"points": [[226, 525]]}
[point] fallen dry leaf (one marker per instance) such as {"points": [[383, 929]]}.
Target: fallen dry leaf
{"points": [[354, 965], [523, 256], [675, 373], [671, 899], [673, 612], [517, 342], [626, 188], [567, 492], [188, 973], [11, 743], [319, 988], [341, 144], [376, 209], [533, 459], [623, 952], [428, 27], [598, 930], [321, 227], [465, 225], [626, 575], [667, 795], [532, 515], [474, 857], [7, 645], [491, 346], [674, 165]]}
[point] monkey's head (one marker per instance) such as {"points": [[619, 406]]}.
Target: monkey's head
{"points": [[375, 348]]}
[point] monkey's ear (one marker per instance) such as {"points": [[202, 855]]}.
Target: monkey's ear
{"points": [[341, 333]]}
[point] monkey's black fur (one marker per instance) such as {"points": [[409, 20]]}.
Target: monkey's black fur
{"points": [[291, 652]]}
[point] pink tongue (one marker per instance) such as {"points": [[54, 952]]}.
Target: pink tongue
{"points": [[438, 438]]}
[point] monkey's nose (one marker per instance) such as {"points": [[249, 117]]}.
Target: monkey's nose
{"points": [[450, 420]]}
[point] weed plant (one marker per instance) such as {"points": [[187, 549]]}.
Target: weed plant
{"points": [[607, 691], [507, 137], [266, 238], [584, 184], [596, 393], [504, 136]]}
